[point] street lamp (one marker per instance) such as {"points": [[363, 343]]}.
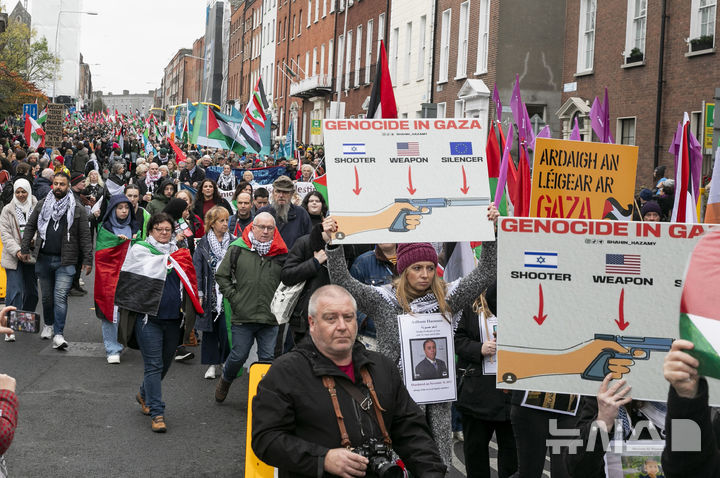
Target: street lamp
{"points": [[57, 31]]}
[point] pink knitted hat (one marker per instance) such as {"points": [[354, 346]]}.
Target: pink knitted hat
{"points": [[408, 254]]}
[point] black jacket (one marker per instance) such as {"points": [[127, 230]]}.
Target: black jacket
{"points": [[301, 265], [424, 370], [197, 175], [76, 242], [297, 225], [294, 425], [477, 395]]}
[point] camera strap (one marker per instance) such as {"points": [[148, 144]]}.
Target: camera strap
{"points": [[365, 403]]}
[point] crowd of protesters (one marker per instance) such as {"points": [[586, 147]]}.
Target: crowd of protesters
{"points": [[245, 239]]}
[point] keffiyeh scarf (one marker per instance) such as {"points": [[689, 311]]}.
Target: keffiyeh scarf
{"points": [[226, 183], [55, 209], [217, 248], [262, 248]]}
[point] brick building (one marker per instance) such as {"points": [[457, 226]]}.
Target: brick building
{"points": [[618, 44], [194, 69], [487, 42], [235, 56], [251, 49], [174, 80]]}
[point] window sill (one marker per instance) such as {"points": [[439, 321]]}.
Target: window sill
{"points": [[460, 77], [584, 73], [700, 52], [478, 73], [442, 82], [633, 64]]}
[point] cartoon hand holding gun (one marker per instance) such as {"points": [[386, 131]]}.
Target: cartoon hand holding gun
{"points": [[605, 354], [401, 216]]}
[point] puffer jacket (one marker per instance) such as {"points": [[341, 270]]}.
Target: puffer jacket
{"points": [[10, 235], [251, 286], [206, 283], [294, 425]]}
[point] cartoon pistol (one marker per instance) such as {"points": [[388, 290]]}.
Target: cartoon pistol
{"points": [[425, 207], [599, 367]]}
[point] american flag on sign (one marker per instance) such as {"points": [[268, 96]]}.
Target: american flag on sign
{"points": [[408, 149], [622, 264]]}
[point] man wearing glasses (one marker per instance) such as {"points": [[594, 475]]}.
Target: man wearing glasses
{"points": [[292, 221], [248, 277]]}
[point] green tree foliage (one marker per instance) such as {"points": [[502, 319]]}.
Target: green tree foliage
{"points": [[23, 53]]}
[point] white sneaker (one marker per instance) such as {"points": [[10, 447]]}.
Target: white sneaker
{"points": [[59, 342], [10, 338], [82, 282], [47, 332], [211, 372], [115, 358]]}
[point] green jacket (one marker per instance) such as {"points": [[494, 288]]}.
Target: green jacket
{"points": [[250, 289]]}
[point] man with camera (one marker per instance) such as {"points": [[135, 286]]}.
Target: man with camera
{"points": [[332, 407]]}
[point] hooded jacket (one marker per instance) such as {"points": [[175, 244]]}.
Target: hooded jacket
{"points": [[294, 425], [115, 201], [159, 200], [249, 285]]}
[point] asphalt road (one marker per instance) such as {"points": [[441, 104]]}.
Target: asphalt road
{"points": [[78, 415]]}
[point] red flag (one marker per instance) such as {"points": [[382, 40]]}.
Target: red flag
{"points": [[382, 97], [684, 204], [179, 155], [181, 260], [521, 201], [493, 153]]}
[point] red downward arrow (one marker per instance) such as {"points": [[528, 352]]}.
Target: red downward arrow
{"points": [[621, 323], [540, 318], [465, 187], [410, 188], [357, 183]]}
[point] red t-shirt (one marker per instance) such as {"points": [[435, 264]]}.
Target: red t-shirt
{"points": [[207, 205], [348, 370]]}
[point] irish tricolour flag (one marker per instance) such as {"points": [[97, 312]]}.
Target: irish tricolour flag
{"points": [[700, 306]]}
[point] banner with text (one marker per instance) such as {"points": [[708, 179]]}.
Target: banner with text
{"points": [[419, 180], [54, 125], [581, 180], [579, 299]]}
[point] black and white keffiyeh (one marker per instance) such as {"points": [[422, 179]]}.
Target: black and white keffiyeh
{"points": [[218, 248], [55, 209], [262, 248], [226, 182]]}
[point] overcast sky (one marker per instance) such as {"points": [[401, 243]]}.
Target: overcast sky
{"points": [[129, 43]]}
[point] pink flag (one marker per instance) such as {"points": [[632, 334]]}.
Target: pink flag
{"points": [[575, 133], [502, 179]]}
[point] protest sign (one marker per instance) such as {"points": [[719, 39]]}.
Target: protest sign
{"points": [[577, 179], [54, 125], [304, 188], [407, 180], [579, 299], [262, 176], [428, 356]]}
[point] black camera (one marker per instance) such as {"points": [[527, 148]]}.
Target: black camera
{"points": [[381, 464]]}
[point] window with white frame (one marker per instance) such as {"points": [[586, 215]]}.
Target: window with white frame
{"points": [[322, 59], [394, 39], [324, 8], [381, 33], [441, 107], [307, 64], [702, 24], [368, 50], [309, 11], [317, 10], [358, 53], [330, 58], [626, 130], [483, 37], [461, 67], [635, 31], [314, 62], [586, 36], [340, 50], [332, 6], [444, 46], [421, 48], [459, 109], [348, 58], [407, 53]]}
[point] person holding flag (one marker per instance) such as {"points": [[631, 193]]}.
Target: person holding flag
{"points": [[150, 284]]}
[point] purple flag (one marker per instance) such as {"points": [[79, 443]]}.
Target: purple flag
{"points": [[517, 111], [545, 133], [502, 180], [498, 105], [529, 133], [600, 119], [606, 120], [575, 133]]}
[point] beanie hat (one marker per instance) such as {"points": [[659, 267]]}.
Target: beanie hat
{"points": [[77, 178], [60, 159], [175, 207], [646, 194], [408, 254], [650, 206]]}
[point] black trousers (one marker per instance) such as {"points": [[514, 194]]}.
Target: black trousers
{"points": [[531, 428], [478, 433]]}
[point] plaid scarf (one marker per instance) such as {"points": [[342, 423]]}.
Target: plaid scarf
{"points": [[55, 209], [262, 248]]}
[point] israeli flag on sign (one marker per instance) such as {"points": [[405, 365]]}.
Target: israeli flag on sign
{"points": [[353, 148], [541, 260]]}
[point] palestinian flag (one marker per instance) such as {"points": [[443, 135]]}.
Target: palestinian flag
{"points": [[320, 184], [382, 97], [700, 308], [142, 278], [686, 177], [110, 253]]}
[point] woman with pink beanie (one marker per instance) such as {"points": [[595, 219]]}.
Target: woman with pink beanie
{"points": [[417, 290]]}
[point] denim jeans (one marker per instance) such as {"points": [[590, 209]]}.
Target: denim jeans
{"points": [[157, 340], [22, 288], [109, 332], [55, 282], [214, 348], [243, 337]]}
